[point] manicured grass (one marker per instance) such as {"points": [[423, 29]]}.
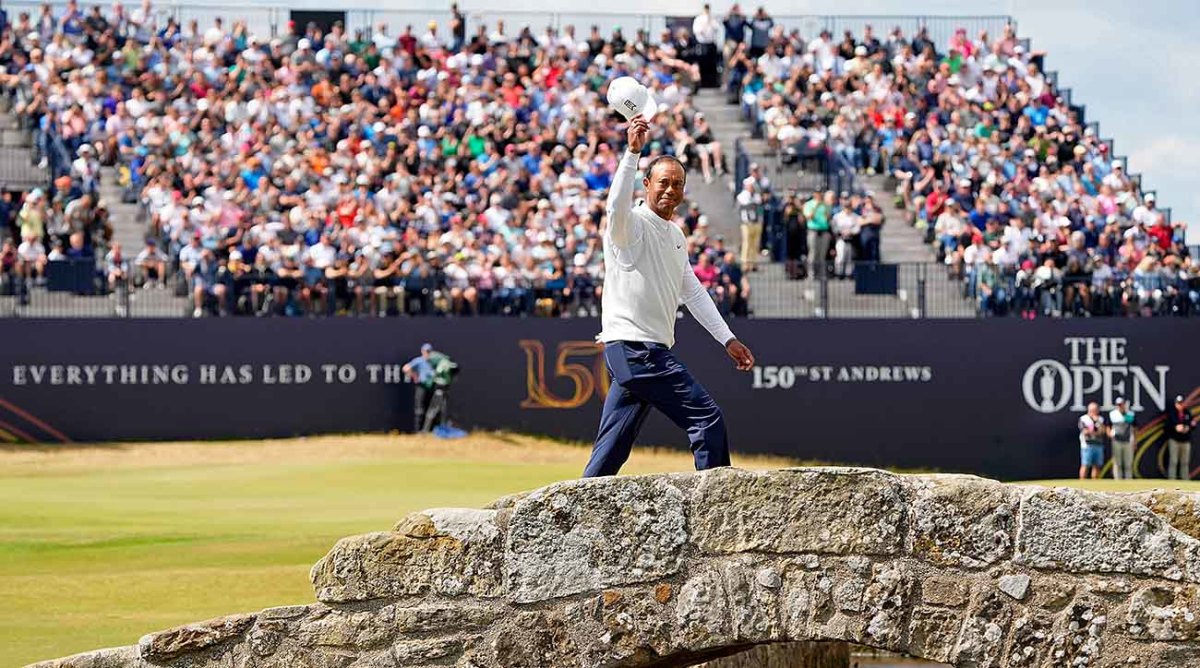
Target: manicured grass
{"points": [[100, 545]]}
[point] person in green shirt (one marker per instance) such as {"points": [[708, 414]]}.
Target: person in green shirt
{"points": [[358, 46], [818, 211], [432, 372]]}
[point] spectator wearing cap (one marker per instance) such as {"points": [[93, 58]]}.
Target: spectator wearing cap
{"points": [[419, 372], [1091, 442], [1121, 434], [749, 202], [1178, 424]]}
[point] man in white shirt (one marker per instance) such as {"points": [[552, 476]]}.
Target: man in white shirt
{"points": [[749, 202], [704, 30], [647, 275]]}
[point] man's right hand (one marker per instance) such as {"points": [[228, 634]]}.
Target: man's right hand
{"points": [[639, 129]]}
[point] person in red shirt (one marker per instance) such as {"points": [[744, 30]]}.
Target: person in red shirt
{"points": [[408, 41], [510, 90], [935, 201], [1161, 233]]}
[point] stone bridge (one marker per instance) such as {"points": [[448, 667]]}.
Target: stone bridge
{"points": [[675, 569]]}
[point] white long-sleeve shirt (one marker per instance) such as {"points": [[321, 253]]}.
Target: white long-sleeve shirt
{"points": [[647, 274]]}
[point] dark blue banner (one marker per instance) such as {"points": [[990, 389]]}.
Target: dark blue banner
{"points": [[999, 398]]}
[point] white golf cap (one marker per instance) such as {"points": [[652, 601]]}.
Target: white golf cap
{"points": [[629, 98], [1120, 400]]}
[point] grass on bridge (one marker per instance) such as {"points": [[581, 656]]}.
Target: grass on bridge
{"points": [[99, 545]]}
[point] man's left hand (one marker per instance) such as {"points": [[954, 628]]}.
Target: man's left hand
{"points": [[740, 354]]}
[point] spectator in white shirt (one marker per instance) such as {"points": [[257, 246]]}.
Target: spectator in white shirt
{"points": [[749, 208], [703, 30], [1145, 213], [116, 267], [151, 263], [430, 39], [33, 257], [846, 225]]}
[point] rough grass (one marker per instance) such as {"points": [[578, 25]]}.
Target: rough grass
{"points": [[101, 544]]}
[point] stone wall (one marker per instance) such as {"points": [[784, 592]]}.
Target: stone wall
{"points": [[675, 569]]}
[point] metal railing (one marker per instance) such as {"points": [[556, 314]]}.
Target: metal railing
{"points": [[800, 289], [270, 18], [66, 288], [906, 290], [920, 290], [997, 293]]}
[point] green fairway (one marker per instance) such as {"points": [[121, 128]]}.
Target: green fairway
{"points": [[101, 545]]}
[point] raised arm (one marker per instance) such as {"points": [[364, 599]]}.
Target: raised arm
{"points": [[620, 195]]}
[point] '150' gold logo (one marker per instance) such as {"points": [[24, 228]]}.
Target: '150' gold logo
{"points": [[582, 362]]}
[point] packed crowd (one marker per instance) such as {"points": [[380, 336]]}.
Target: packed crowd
{"points": [[1017, 195], [434, 171]]}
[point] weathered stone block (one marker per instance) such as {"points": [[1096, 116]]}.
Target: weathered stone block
{"points": [[1164, 613], [886, 604], [933, 633], [357, 630], [632, 623], [964, 521], [1089, 533], [429, 618], [945, 591], [445, 552], [1016, 586], [584, 535], [702, 613], [411, 652], [840, 511], [1032, 637], [754, 606], [981, 641], [165, 645]]}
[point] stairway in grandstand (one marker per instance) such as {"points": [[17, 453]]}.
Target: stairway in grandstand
{"points": [[772, 295], [19, 171]]}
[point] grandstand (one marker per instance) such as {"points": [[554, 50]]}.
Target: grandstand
{"points": [[250, 161]]}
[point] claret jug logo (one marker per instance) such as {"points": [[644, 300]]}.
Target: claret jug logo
{"points": [[1093, 369]]}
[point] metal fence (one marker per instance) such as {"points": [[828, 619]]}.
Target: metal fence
{"points": [[1003, 294], [906, 290], [270, 18], [909, 290]]}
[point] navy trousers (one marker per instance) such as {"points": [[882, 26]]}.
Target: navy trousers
{"points": [[646, 375]]}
